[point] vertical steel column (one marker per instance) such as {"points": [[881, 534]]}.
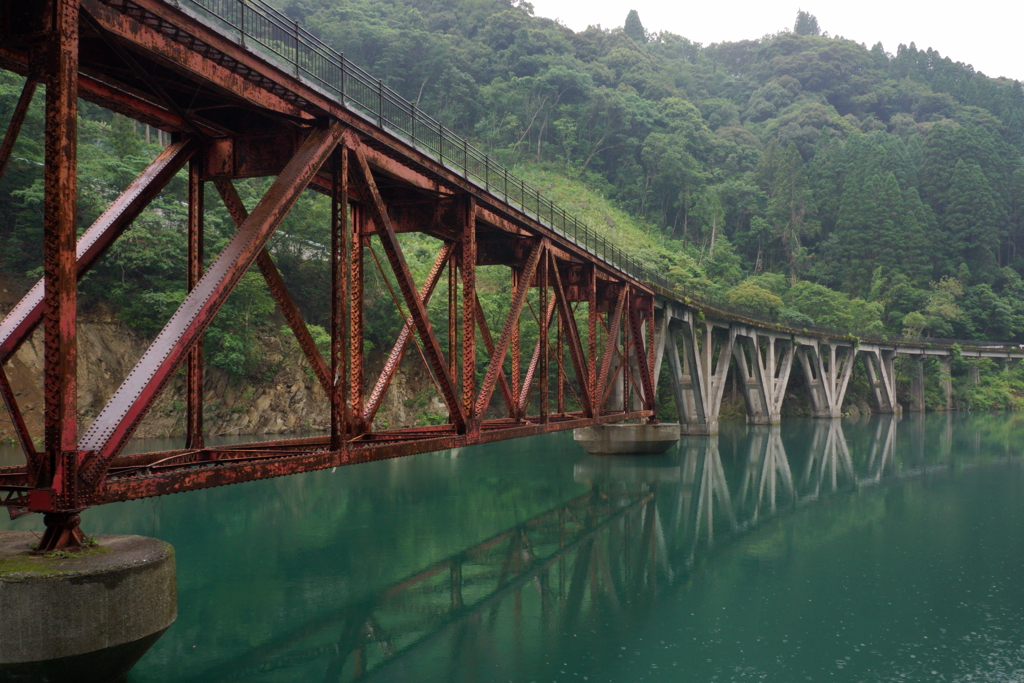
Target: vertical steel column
{"points": [[355, 349], [627, 345], [650, 353], [542, 340], [467, 267], [453, 320], [59, 268], [516, 284], [194, 362], [592, 319], [341, 249], [560, 354]]}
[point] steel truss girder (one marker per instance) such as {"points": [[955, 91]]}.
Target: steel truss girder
{"points": [[571, 334], [118, 419], [497, 358], [417, 311], [242, 462], [18, 324], [278, 289], [402, 343]]}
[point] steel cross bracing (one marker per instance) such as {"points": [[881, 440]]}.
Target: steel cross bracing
{"points": [[235, 114], [237, 106]]}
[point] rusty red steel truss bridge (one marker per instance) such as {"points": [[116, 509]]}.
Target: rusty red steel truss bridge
{"points": [[246, 92], [211, 74]]}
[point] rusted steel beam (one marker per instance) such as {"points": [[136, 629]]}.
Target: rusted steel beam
{"points": [[194, 363], [467, 269], [20, 429], [609, 347], [642, 356], [560, 369], [543, 347], [118, 419], [265, 464], [188, 60], [517, 284], [511, 323], [14, 127], [571, 334], [417, 311], [60, 205], [592, 320], [356, 312], [453, 322], [539, 350], [152, 83], [485, 334], [278, 289], [402, 343], [18, 324], [341, 251]]}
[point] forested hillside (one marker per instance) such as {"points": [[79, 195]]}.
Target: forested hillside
{"points": [[798, 175], [896, 179]]}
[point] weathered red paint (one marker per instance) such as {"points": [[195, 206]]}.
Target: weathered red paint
{"points": [[116, 422], [194, 363], [398, 350], [417, 311], [152, 32], [19, 323]]}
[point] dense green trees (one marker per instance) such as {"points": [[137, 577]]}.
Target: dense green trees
{"points": [[884, 192]]}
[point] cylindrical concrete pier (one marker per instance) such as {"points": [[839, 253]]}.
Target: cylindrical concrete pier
{"points": [[83, 617]]}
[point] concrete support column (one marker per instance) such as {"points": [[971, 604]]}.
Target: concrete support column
{"points": [[917, 384], [83, 617], [973, 374], [698, 377], [881, 375], [764, 362], [946, 380], [827, 368]]}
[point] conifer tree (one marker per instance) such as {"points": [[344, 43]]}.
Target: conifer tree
{"points": [[634, 29], [970, 222], [806, 24]]}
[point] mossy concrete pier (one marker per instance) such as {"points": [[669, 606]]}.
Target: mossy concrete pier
{"points": [[87, 616]]}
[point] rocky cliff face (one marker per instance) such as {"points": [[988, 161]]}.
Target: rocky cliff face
{"points": [[290, 401]]}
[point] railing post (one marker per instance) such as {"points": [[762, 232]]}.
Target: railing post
{"points": [[341, 65], [296, 48], [487, 173], [465, 158], [412, 109], [241, 21], [380, 102], [440, 142]]}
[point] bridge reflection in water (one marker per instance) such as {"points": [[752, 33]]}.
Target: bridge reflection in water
{"points": [[643, 528]]}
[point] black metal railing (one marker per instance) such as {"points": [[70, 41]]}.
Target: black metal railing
{"points": [[260, 27]]}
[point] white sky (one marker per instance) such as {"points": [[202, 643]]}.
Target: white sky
{"points": [[985, 33]]}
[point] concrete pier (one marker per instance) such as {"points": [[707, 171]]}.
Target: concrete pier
{"points": [[85, 617], [627, 439]]}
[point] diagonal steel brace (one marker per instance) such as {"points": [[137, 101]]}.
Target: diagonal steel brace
{"points": [[417, 311], [119, 418]]}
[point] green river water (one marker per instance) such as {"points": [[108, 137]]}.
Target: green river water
{"points": [[875, 550]]}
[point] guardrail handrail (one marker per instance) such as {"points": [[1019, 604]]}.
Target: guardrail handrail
{"points": [[258, 24]]}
